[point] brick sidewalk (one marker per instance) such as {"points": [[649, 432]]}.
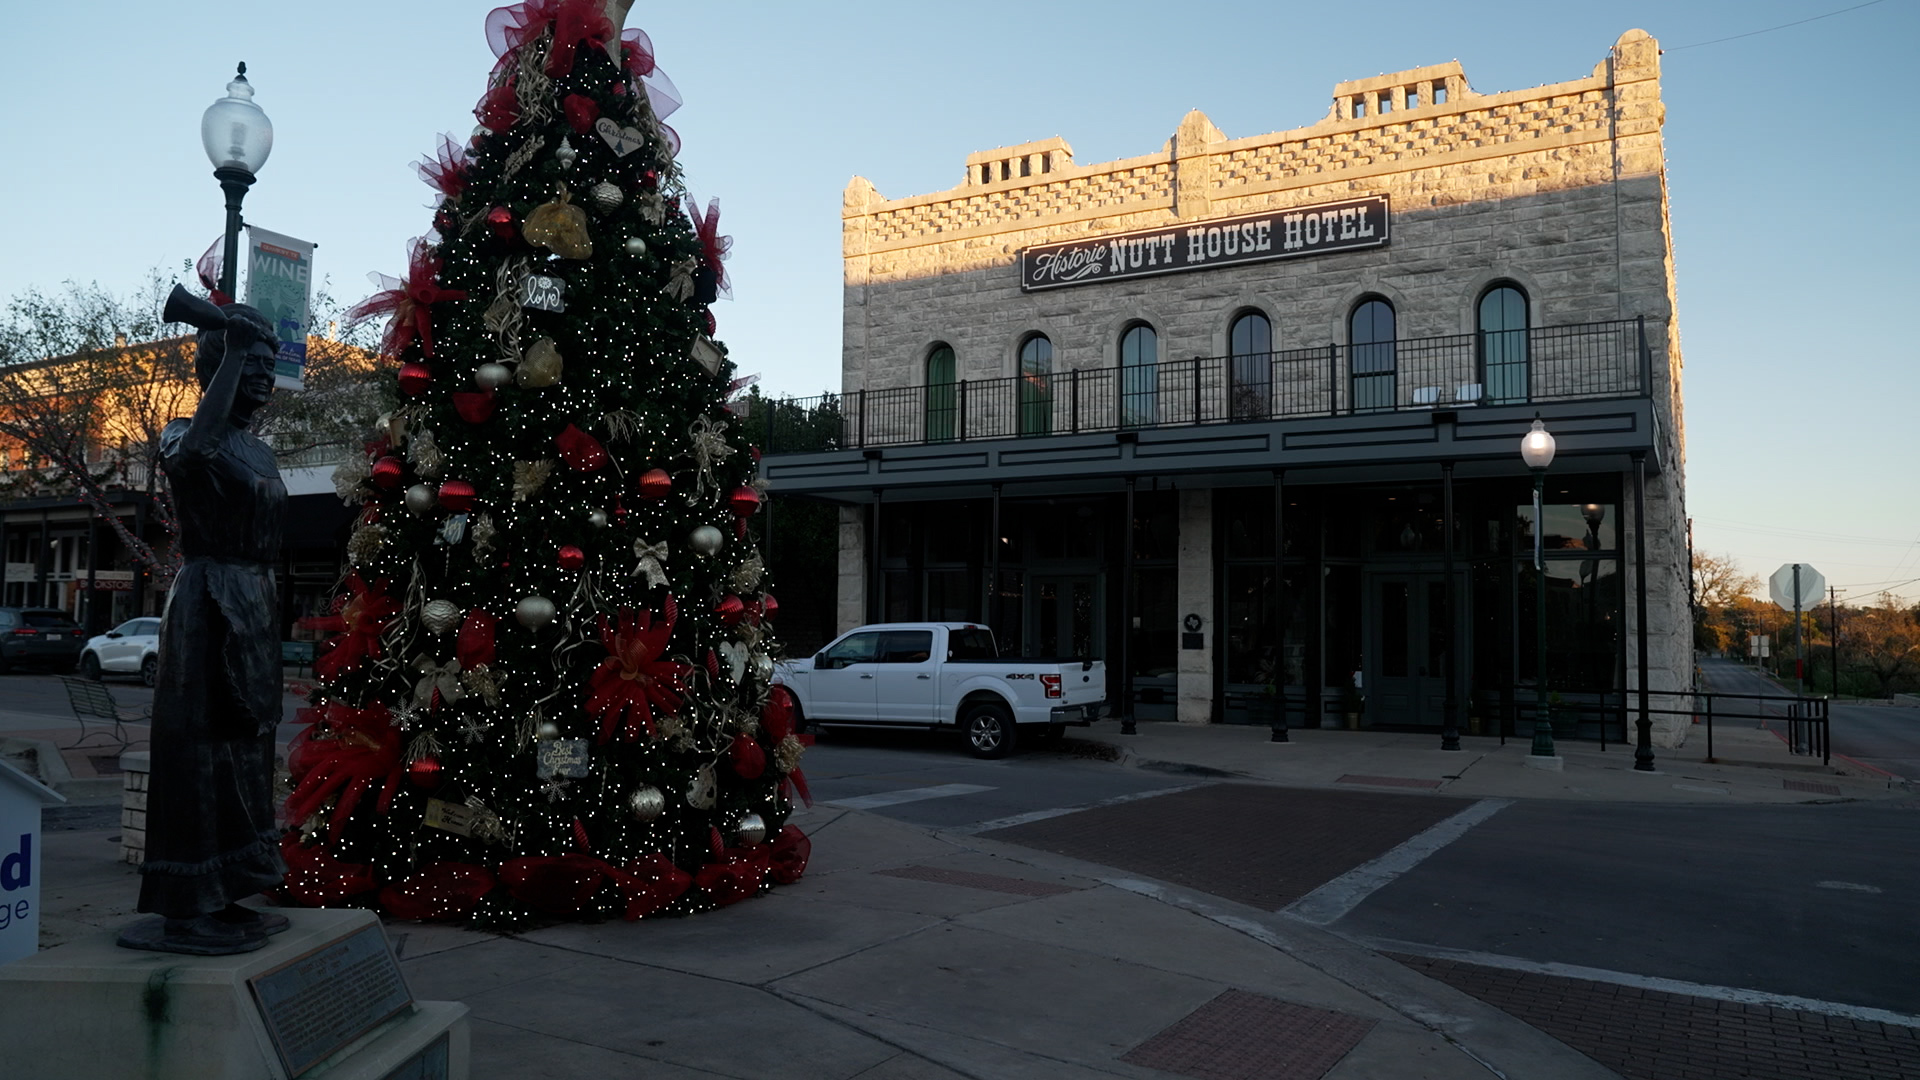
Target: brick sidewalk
{"points": [[1653, 1035], [1261, 846]]}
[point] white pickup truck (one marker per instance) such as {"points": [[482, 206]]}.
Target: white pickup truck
{"points": [[942, 675]]}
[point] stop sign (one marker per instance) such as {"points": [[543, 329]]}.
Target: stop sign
{"points": [[1812, 586]]}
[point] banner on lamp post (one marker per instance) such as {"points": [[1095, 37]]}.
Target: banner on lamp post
{"points": [[280, 286]]}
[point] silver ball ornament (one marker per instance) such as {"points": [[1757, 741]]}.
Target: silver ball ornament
{"points": [[606, 196], [636, 246], [597, 518], [420, 499], [706, 540], [547, 730], [762, 666], [646, 804], [440, 616], [534, 612], [752, 830], [492, 376]]}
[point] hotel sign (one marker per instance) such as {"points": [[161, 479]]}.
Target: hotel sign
{"points": [[1276, 234]]}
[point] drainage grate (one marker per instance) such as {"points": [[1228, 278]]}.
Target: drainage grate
{"points": [[970, 880], [1814, 787], [1243, 1036], [1388, 781]]}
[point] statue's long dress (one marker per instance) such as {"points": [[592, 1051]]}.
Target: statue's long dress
{"points": [[211, 837]]}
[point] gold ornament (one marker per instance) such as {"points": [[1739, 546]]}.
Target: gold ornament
{"points": [[559, 226], [366, 542], [680, 281], [528, 476], [481, 682], [348, 476], [786, 756], [428, 461], [746, 576], [541, 367], [483, 533]]}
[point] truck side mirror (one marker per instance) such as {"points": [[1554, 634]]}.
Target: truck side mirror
{"points": [[823, 662]]}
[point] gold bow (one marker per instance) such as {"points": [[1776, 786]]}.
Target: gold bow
{"points": [[653, 562]]}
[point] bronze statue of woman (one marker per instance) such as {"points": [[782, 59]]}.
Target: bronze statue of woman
{"points": [[211, 834]]}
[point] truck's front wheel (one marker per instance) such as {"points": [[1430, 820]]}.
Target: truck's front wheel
{"points": [[989, 730]]}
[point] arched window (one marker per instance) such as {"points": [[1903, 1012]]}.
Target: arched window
{"points": [[1036, 385], [1250, 346], [1502, 319], [1139, 376], [942, 402], [1371, 352]]}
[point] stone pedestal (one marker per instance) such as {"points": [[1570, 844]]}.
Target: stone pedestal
{"points": [[135, 765], [324, 999]]}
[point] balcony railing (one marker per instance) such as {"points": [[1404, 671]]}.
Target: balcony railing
{"points": [[1512, 367]]}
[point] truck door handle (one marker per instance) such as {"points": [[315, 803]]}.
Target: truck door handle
{"points": [[923, 676], [866, 676]]}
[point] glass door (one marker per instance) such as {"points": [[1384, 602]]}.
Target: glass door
{"points": [[1065, 614], [1408, 654]]}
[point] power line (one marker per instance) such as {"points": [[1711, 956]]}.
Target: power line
{"points": [[1771, 29]]}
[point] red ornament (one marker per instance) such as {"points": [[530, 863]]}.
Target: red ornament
{"points": [[581, 112], [655, 483], [474, 645], [731, 609], [744, 501], [456, 496], [500, 220], [424, 772], [571, 557], [748, 759], [649, 179], [713, 325], [414, 378], [387, 472], [580, 450], [474, 406], [769, 607], [620, 515]]}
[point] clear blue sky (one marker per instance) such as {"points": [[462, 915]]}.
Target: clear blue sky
{"points": [[1791, 156]]}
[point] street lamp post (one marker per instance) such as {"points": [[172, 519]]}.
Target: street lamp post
{"points": [[1536, 449], [238, 137]]}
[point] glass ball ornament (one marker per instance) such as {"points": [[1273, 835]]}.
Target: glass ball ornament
{"points": [[534, 612], [646, 804], [387, 472], [597, 518], [424, 772], [752, 830], [420, 499], [415, 377], [570, 557], [547, 730], [440, 616], [744, 501], [457, 496], [636, 246], [655, 484], [706, 540], [492, 376]]}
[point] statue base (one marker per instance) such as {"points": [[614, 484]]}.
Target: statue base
{"points": [[325, 997]]}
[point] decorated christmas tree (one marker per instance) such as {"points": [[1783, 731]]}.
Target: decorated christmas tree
{"points": [[547, 693]]}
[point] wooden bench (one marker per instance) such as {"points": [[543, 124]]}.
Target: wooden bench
{"points": [[93, 703]]}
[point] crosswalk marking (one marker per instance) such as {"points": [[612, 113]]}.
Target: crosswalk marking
{"points": [[895, 798]]}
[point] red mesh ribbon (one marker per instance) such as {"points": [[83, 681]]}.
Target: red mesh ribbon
{"points": [[581, 451], [409, 302], [712, 244], [748, 759], [636, 53], [499, 109], [562, 884], [581, 112], [360, 623], [474, 646], [356, 748], [776, 716], [514, 25], [446, 170], [633, 680], [445, 890], [737, 876], [790, 849], [208, 271], [576, 22], [317, 879]]}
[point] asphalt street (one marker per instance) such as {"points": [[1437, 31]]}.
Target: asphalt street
{"points": [[1885, 738]]}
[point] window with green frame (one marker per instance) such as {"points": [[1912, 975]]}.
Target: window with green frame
{"points": [[1140, 376], [1503, 344], [1036, 386], [942, 396]]}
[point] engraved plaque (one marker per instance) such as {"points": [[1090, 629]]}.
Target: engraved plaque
{"points": [[320, 1002], [562, 757], [451, 817], [545, 293]]}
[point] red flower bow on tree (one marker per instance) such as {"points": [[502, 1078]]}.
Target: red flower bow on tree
{"points": [[361, 621], [499, 108], [633, 680], [776, 716], [356, 748], [446, 170], [712, 245], [410, 302], [576, 21]]}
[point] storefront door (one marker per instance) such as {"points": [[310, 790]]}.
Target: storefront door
{"points": [[1065, 613], [1407, 658]]}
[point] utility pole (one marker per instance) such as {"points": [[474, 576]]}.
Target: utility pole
{"points": [[1833, 635]]}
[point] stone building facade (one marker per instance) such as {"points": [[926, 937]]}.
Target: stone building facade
{"points": [[1334, 335]]}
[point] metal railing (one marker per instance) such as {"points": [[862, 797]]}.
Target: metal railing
{"points": [[1806, 718], [1541, 364]]}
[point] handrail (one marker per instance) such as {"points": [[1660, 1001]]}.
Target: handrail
{"points": [[1582, 361]]}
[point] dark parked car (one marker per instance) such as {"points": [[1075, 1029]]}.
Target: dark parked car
{"points": [[39, 637]]}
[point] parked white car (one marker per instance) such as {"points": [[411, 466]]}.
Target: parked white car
{"points": [[943, 675], [132, 648]]}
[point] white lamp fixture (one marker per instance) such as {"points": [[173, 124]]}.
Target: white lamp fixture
{"points": [[236, 134], [1536, 446]]}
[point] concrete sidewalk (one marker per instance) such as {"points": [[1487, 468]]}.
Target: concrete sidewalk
{"points": [[1751, 764]]}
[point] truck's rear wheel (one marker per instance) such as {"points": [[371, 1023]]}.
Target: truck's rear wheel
{"points": [[989, 730]]}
